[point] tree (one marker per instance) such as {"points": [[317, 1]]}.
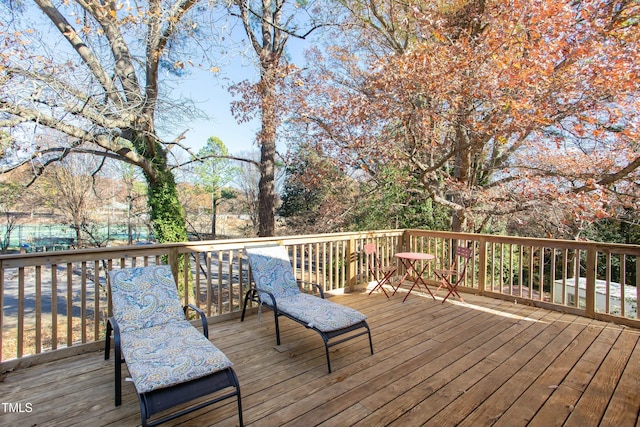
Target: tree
{"points": [[214, 174], [317, 197], [101, 91], [386, 201], [69, 188], [496, 107], [248, 183], [268, 25], [9, 196], [133, 192]]}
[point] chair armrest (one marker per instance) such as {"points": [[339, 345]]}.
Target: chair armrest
{"points": [[260, 292], [203, 318], [315, 285]]}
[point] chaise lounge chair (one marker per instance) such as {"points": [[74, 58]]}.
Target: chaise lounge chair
{"points": [[169, 360], [276, 288]]}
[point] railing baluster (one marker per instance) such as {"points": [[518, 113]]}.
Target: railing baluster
{"points": [[623, 282], [241, 284], [186, 278], [196, 279], [230, 296], [69, 305], [20, 331], [83, 301], [38, 308], [97, 296], [219, 286], [54, 306], [552, 276], [2, 273], [209, 283], [637, 283]]}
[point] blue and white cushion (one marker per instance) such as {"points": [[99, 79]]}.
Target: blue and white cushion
{"points": [[161, 348], [272, 271], [320, 313], [144, 296], [169, 354]]}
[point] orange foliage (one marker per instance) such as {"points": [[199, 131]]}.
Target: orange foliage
{"points": [[501, 107]]}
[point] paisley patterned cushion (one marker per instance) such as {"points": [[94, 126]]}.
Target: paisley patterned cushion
{"points": [[173, 353], [144, 297], [272, 271], [320, 313]]}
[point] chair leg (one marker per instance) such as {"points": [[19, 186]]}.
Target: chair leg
{"points": [[143, 411], [244, 308], [237, 385], [453, 291], [379, 285], [326, 349], [385, 280], [107, 341], [443, 283], [275, 313], [275, 316], [118, 374]]}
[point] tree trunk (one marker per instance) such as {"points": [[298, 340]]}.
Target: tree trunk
{"points": [[266, 185], [129, 229], [266, 199], [461, 174], [79, 243], [167, 214], [214, 213]]}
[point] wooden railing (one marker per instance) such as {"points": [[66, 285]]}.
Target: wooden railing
{"points": [[595, 280], [55, 303]]}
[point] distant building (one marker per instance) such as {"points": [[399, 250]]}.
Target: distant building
{"points": [[615, 308]]}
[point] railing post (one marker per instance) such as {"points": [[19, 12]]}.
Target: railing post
{"points": [[590, 292], [173, 260], [351, 258], [402, 241], [482, 267]]}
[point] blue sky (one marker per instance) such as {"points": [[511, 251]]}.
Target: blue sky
{"points": [[208, 91]]}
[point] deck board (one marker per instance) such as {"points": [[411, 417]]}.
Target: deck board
{"points": [[481, 363]]}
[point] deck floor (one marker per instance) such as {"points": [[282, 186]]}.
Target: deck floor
{"points": [[482, 363]]}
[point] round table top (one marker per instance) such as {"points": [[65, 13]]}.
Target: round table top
{"points": [[415, 255]]}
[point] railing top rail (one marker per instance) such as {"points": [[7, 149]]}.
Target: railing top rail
{"points": [[532, 241], [90, 254]]}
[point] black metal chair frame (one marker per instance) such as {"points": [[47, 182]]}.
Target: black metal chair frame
{"points": [[254, 294], [162, 399]]}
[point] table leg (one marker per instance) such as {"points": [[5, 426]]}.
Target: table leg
{"points": [[408, 268], [417, 280]]}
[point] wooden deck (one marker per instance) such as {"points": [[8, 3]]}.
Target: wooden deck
{"points": [[485, 362]]}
